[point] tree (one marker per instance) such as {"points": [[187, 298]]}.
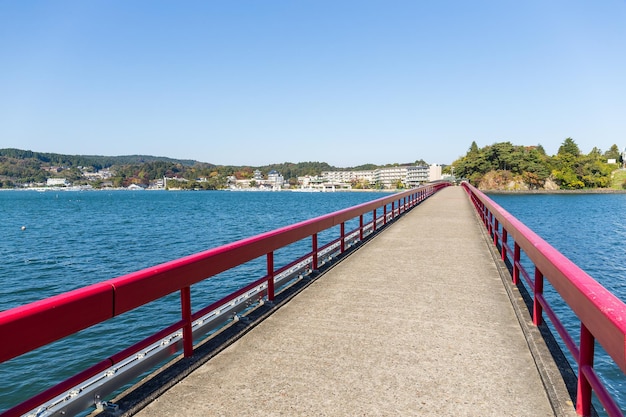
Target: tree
{"points": [[540, 149], [569, 147], [473, 149], [613, 153]]}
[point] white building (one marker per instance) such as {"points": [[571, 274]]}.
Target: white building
{"points": [[416, 175], [57, 182], [434, 172], [347, 176], [310, 181], [389, 177], [275, 180]]}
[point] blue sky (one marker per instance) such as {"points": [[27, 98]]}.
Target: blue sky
{"points": [[344, 82]]}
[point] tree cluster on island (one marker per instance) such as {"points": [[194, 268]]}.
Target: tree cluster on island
{"points": [[504, 166], [21, 168]]}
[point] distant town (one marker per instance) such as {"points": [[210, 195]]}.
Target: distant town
{"points": [[396, 177], [29, 170]]}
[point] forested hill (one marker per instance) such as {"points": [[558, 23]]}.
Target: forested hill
{"points": [[504, 166], [95, 161]]}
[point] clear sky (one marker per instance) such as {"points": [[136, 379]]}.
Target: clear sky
{"points": [[345, 82]]}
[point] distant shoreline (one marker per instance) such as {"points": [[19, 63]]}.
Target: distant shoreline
{"points": [[287, 190]]}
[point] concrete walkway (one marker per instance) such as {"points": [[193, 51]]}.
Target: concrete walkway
{"points": [[416, 322]]}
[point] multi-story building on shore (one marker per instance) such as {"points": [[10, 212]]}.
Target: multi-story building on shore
{"points": [[347, 176], [389, 177]]}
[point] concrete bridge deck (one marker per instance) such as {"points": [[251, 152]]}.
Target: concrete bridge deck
{"points": [[416, 322]]}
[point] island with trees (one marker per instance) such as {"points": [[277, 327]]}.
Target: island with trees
{"points": [[507, 167]]}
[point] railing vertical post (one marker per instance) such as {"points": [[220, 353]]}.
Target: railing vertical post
{"points": [[393, 209], [385, 214], [361, 228], [482, 214], [505, 238], [485, 212], [516, 258], [314, 251], [496, 228], [185, 306], [343, 236], [538, 290], [270, 276], [583, 397]]}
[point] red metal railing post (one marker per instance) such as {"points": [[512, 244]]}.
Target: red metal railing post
{"points": [[538, 291], [516, 258], [485, 216], [583, 396], [314, 249], [185, 307], [270, 276], [496, 227], [393, 209], [505, 238], [343, 236], [361, 228], [385, 214]]}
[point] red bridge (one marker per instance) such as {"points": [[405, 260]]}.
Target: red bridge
{"points": [[424, 308]]}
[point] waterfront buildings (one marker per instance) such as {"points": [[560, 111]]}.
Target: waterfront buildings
{"points": [[407, 176], [57, 182]]}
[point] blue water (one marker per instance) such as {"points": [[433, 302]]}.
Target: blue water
{"points": [[73, 239], [589, 229]]}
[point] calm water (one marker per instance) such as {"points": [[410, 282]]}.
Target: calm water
{"points": [[73, 239], [590, 229]]}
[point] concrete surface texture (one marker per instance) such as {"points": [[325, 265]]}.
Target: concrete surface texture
{"points": [[416, 322]]}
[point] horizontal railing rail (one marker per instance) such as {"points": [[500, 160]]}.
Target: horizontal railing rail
{"points": [[46, 321], [602, 315]]}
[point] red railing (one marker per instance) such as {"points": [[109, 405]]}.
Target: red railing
{"points": [[43, 322], [602, 315]]}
